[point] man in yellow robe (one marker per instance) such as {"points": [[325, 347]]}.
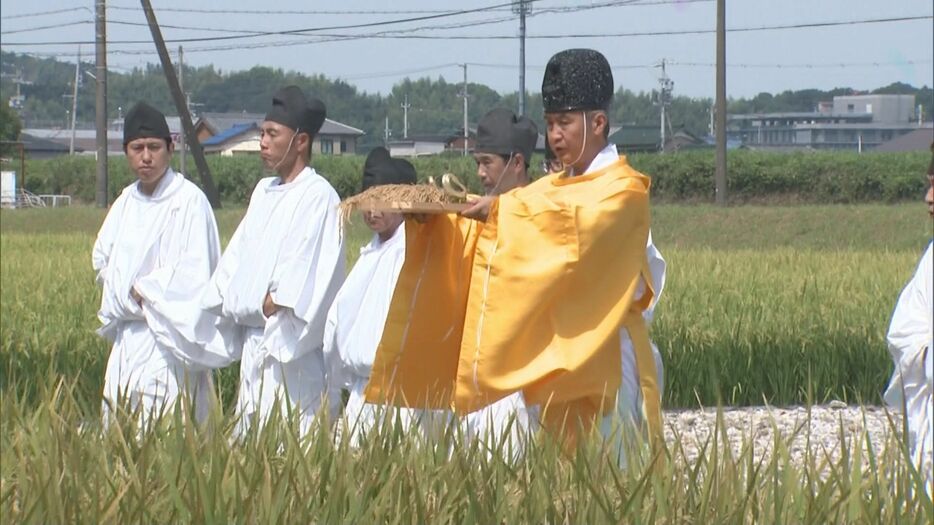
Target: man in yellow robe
{"points": [[531, 295]]}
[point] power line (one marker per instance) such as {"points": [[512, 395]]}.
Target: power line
{"points": [[634, 3], [292, 31], [51, 26], [354, 36], [827, 65], [44, 13]]}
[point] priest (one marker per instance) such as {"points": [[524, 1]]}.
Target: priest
{"points": [[355, 320], [281, 271], [535, 290], [153, 257], [911, 345]]}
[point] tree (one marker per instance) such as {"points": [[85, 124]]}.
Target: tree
{"points": [[10, 127]]}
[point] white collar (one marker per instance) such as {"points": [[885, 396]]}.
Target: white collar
{"points": [[607, 156], [162, 187]]}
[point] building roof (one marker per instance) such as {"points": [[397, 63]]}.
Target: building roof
{"points": [[32, 143], [917, 140], [799, 115], [218, 122], [229, 133], [636, 136]]}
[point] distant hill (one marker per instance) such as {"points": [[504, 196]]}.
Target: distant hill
{"points": [[436, 106]]}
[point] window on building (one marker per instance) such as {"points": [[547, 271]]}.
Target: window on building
{"points": [[327, 146], [343, 146], [850, 108]]}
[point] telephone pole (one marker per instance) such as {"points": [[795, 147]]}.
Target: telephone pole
{"points": [[665, 88], [522, 8], [181, 85], [466, 128], [720, 173], [207, 183], [405, 117], [74, 103], [100, 26], [386, 133]]}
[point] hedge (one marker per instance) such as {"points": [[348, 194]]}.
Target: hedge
{"points": [[807, 177]]}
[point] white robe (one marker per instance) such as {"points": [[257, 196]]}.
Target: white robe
{"points": [[911, 343], [165, 246], [353, 330], [511, 422], [288, 244]]}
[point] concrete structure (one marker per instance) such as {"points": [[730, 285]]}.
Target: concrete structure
{"points": [[238, 133], [851, 122]]}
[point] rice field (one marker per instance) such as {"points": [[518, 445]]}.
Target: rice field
{"points": [[778, 305]]}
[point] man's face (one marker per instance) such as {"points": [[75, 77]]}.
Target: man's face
{"points": [[929, 197], [382, 223], [496, 173], [149, 159], [277, 145], [566, 135]]}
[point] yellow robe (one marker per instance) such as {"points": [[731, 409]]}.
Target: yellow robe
{"points": [[531, 300]]}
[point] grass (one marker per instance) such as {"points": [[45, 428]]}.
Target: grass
{"points": [[778, 304]]}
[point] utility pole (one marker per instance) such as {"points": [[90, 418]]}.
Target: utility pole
{"points": [[74, 103], [100, 25], [720, 174], [466, 128], [386, 133], [522, 8], [405, 117], [666, 86], [181, 85], [207, 183]]}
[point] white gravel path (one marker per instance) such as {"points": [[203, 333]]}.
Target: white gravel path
{"points": [[760, 423]]}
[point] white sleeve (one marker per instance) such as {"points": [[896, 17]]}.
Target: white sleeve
{"points": [[306, 280], [171, 292], [911, 331]]}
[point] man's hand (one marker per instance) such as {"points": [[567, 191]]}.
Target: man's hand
{"points": [[269, 307], [136, 297], [479, 209]]}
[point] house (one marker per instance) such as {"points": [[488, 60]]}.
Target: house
{"points": [[85, 138], [917, 140], [646, 139], [419, 145], [851, 122], [40, 148], [238, 133]]}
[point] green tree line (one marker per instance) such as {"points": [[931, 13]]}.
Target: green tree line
{"points": [[436, 106]]}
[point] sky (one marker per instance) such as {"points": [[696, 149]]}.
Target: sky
{"points": [[859, 55]]}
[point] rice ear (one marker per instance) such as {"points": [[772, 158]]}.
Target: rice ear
{"points": [[412, 193]]}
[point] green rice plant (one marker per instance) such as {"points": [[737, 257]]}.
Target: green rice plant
{"points": [[59, 467]]}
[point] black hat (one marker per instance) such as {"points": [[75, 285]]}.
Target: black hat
{"points": [[380, 169], [577, 80], [502, 132], [144, 121], [290, 108]]}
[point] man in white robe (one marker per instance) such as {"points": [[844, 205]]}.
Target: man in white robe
{"points": [[281, 271], [153, 256], [911, 344], [356, 318]]}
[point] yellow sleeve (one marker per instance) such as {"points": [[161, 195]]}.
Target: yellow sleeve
{"points": [[416, 361]]}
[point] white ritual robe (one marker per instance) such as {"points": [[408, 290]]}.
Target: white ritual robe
{"points": [[288, 244], [353, 330], [166, 247], [509, 422], [911, 344]]}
